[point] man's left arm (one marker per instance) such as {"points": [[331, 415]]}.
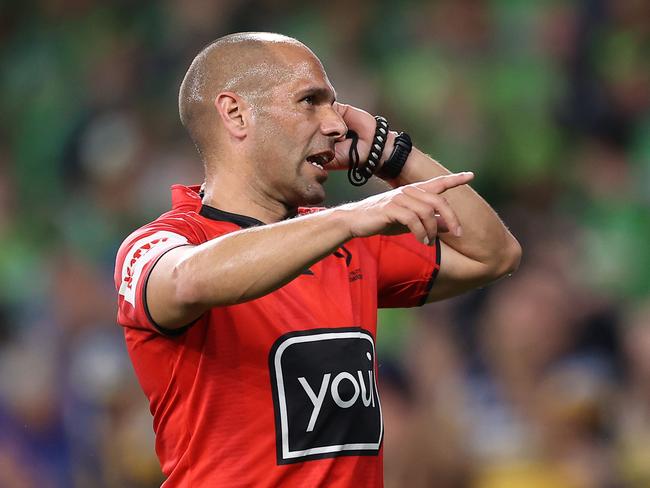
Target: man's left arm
{"points": [[484, 252]]}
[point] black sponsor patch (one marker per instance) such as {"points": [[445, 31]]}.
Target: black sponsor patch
{"points": [[325, 394]]}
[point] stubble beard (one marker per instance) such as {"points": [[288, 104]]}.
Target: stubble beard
{"points": [[295, 185]]}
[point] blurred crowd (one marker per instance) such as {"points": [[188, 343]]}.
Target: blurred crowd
{"points": [[541, 380]]}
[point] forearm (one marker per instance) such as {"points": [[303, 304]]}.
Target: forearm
{"points": [[248, 264], [251, 263]]}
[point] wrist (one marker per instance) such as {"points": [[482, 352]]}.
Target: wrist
{"points": [[341, 218], [409, 173], [392, 167]]}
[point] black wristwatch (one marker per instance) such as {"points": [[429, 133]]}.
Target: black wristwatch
{"points": [[395, 162]]}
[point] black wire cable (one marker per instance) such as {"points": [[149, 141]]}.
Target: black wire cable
{"points": [[356, 175]]}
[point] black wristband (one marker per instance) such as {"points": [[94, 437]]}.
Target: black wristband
{"points": [[392, 167], [357, 175], [378, 143]]}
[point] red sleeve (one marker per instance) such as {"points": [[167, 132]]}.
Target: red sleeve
{"points": [[406, 270], [136, 257]]}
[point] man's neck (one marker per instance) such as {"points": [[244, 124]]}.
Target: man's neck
{"points": [[237, 194]]}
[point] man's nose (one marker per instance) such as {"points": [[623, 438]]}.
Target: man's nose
{"points": [[333, 124]]}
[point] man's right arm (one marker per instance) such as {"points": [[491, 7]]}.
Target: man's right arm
{"points": [[251, 263], [239, 266]]}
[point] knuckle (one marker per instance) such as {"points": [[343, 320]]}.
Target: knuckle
{"points": [[442, 202], [412, 190], [411, 219], [388, 206], [398, 198], [436, 200]]}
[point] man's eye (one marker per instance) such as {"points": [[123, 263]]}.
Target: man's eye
{"points": [[309, 99]]}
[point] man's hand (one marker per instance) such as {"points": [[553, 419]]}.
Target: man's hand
{"points": [[419, 208], [364, 125], [487, 249]]}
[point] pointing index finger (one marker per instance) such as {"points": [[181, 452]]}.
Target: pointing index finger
{"points": [[440, 184]]}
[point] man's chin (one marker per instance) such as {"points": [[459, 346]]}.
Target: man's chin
{"points": [[314, 194]]}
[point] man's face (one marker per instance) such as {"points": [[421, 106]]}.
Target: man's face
{"points": [[294, 131]]}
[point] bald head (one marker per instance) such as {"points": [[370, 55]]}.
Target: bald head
{"points": [[249, 64]]}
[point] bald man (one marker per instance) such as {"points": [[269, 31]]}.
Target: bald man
{"points": [[250, 316]]}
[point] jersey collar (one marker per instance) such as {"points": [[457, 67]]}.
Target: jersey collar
{"points": [[216, 214], [187, 197]]}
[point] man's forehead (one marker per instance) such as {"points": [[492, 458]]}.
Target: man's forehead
{"points": [[305, 74], [310, 74], [285, 68]]}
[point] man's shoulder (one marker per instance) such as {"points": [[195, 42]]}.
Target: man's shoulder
{"points": [[183, 219], [177, 227], [178, 222]]}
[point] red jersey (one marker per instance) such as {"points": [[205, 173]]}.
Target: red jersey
{"points": [[280, 390]]}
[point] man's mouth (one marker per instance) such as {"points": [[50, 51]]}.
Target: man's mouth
{"points": [[321, 159]]}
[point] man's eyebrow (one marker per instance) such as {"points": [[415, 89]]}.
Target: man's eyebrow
{"points": [[319, 92]]}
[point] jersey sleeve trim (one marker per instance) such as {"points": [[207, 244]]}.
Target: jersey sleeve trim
{"points": [[163, 330], [434, 274]]}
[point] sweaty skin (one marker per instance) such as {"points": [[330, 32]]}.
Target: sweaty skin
{"points": [[260, 108], [250, 65]]}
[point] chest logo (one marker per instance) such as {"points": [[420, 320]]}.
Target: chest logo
{"points": [[325, 394]]}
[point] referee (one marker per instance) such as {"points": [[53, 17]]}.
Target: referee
{"points": [[249, 314]]}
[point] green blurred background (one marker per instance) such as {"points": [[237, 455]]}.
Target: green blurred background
{"points": [[542, 380]]}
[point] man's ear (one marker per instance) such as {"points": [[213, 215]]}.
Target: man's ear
{"points": [[234, 112]]}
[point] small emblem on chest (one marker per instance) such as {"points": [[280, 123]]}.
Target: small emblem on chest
{"points": [[355, 274]]}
